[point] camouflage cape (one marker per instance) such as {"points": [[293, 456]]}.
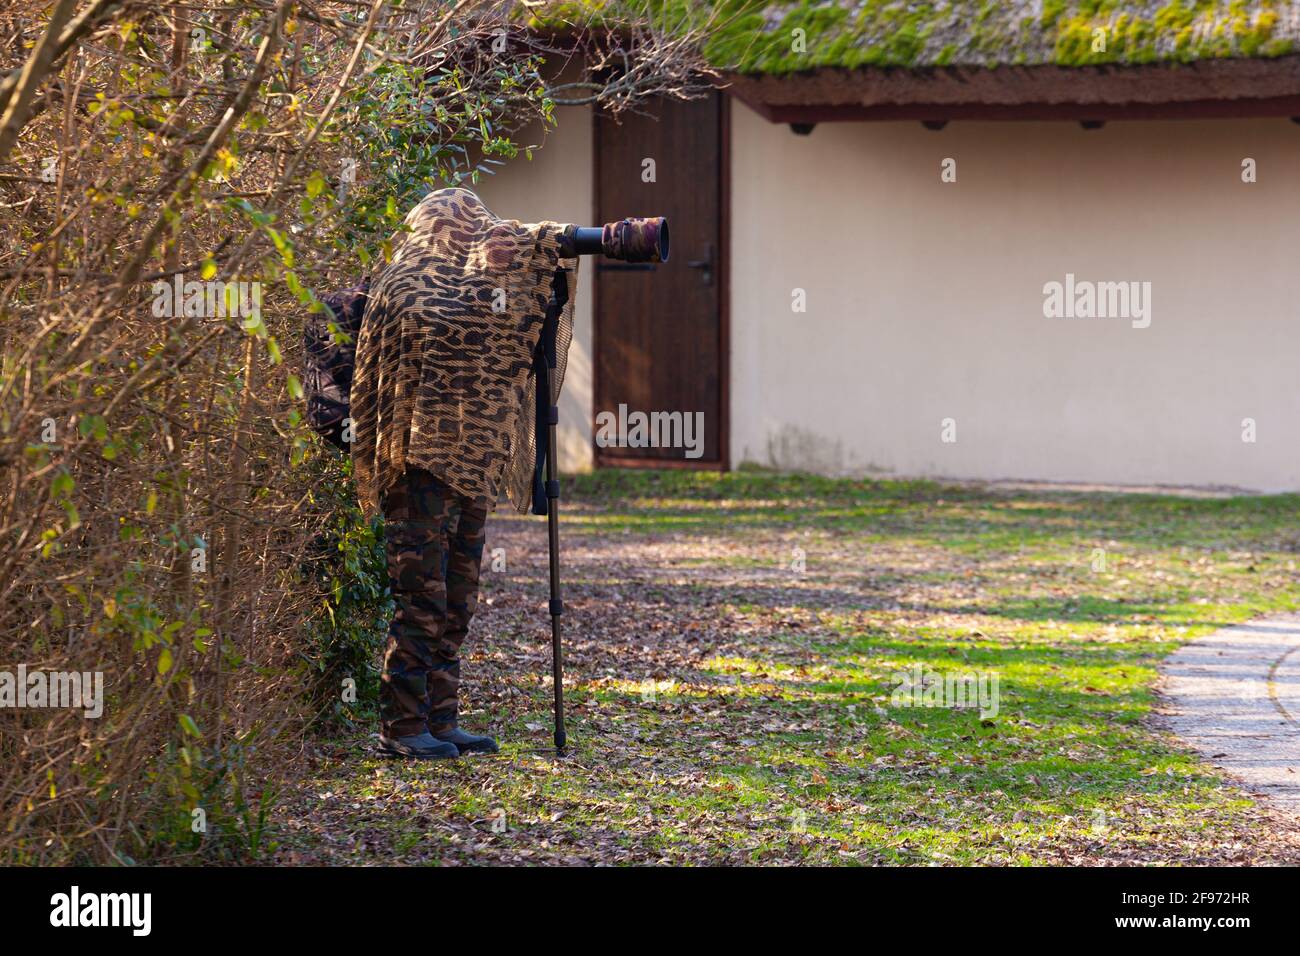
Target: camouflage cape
{"points": [[443, 378]]}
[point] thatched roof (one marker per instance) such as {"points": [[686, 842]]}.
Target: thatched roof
{"points": [[816, 60], [789, 36], [981, 33]]}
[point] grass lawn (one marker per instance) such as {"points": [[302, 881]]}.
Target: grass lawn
{"points": [[734, 643]]}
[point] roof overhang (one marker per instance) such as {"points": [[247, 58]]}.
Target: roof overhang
{"points": [[1203, 89]]}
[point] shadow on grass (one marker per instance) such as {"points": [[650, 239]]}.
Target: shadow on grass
{"points": [[950, 517]]}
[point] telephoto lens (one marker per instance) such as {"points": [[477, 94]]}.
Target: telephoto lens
{"points": [[636, 240], [628, 240]]}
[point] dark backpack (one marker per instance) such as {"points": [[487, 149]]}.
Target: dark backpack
{"points": [[327, 362]]}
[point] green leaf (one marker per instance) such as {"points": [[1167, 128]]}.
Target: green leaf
{"points": [[62, 484]]}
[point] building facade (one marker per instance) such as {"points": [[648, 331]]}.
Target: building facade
{"points": [[1080, 277]]}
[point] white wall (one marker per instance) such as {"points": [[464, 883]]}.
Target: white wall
{"points": [[925, 300], [557, 185]]}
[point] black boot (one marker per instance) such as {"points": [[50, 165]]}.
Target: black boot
{"points": [[468, 743], [419, 747]]}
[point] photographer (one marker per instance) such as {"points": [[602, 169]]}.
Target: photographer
{"points": [[442, 405]]}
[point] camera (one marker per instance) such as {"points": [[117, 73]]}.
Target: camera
{"points": [[628, 240]]}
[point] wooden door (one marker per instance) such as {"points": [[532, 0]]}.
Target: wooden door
{"points": [[660, 341]]}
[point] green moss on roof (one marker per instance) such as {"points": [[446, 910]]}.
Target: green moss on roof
{"points": [[761, 36]]}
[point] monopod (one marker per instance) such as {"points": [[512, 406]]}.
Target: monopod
{"points": [[630, 240]]}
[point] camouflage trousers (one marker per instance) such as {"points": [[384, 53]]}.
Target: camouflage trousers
{"points": [[435, 545]]}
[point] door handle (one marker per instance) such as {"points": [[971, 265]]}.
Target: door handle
{"points": [[706, 264]]}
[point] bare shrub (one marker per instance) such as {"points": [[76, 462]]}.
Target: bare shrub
{"points": [[178, 183]]}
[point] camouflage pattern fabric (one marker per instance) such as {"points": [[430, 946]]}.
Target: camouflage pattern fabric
{"points": [[633, 240], [444, 378], [435, 543], [328, 358]]}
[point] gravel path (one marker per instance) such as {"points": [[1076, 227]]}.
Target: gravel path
{"points": [[1235, 696]]}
